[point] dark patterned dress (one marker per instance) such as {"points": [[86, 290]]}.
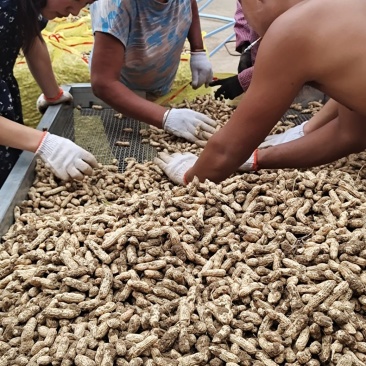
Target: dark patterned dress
{"points": [[10, 103]]}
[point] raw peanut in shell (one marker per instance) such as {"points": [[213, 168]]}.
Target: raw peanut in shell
{"points": [[127, 268]]}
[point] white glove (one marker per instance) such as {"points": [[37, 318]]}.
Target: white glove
{"points": [[287, 136], [201, 69], [192, 126], [175, 165], [43, 102], [66, 159]]}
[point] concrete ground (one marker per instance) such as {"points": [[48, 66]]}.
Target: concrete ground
{"points": [[224, 57]]}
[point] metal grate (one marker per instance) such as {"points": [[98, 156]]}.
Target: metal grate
{"points": [[301, 117], [98, 130]]}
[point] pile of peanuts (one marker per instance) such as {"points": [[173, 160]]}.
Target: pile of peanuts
{"points": [[122, 269]]}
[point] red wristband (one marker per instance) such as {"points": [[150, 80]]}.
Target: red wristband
{"points": [[255, 160], [185, 182], [57, 97]]}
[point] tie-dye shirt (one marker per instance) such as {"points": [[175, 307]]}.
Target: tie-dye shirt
{"points": [[153, 34]]}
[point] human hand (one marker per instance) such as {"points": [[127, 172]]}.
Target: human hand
{"points": [[66, 159], [287, 136], [175, 165], [192, 126], [230, 87], [201, 69], [43, 102]]}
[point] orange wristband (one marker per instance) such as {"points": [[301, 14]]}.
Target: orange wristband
{"points": [[57, 97], [255, 160]]}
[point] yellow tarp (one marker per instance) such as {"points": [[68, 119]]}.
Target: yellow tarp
{"points": [[181, 92], [68, 41]]}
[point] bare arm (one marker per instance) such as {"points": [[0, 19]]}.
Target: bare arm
{"points": [[277, 78], [335, 139], [39, 63], [18, 136], [194, 33], [325, 115], [107, 62]]}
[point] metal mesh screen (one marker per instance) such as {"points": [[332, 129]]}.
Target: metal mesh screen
{"points": [[98, 130], [300, 117]]}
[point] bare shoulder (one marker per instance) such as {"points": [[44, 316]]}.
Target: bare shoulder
{"points": [[297, 23], [310, 18]]}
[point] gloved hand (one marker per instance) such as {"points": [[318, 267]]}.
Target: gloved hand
{"points": [[66, 159], [43, 102], [230, 87], [192, 126], [289, 135], [201, 69], [175, 165]]}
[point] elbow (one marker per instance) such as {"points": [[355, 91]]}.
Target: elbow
{"points": [[226, 151], [220, 159], [217, 145], [98, 87]]}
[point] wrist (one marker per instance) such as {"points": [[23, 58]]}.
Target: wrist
{"points": [[43, 136], [305, 128], [56, 97], [165, 117]]}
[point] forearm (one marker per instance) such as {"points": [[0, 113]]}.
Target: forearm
{"points": [[107, 62], [39, 64], [322, 146], [18, 136], [220, 159], [325, 115], [125, 101], [194, 33]]}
